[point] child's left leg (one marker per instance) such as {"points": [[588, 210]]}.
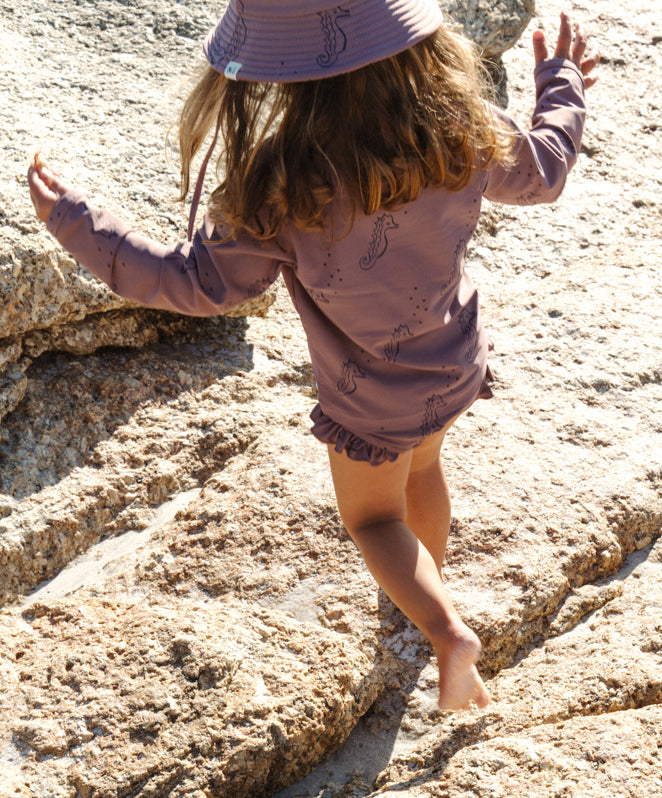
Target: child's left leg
{"points": [[428, 497], [373, 506]]}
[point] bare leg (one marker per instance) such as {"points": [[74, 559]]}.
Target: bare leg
{"points": [[428, 498], [373, 506]]}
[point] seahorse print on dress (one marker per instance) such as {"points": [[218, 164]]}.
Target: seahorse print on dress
{"points": [[458, 260], [526, 198], [318, 297], [435, 415], [335, 41], [379, 242], [392, 348], [467, 322], [351, 371], [258, 287]]}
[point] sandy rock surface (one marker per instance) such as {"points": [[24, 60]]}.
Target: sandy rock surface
{"points": [[225, 637]]}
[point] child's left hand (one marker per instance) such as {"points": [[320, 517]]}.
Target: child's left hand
{"points": [[573, 49], [46, 187]]}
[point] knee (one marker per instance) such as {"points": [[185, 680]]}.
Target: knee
{"points": [[367, 520], [425, 475]]}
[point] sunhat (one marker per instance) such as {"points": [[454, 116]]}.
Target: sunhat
{"points": [[285, 41]]}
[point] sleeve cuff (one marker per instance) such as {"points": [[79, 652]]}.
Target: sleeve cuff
{"points": [[547, 70], [62, 207]]}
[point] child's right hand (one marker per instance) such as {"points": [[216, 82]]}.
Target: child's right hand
{"points": [[567, 48], [46, 187]]}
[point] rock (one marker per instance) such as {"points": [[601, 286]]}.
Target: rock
{"points": [[167, 698], [587, 756], [46, 295], [494, 26], [225, 636], [581, 712], [66, 496]]}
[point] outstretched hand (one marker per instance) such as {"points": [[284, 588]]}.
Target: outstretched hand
{"points": [[46, 187], [567, 47]]}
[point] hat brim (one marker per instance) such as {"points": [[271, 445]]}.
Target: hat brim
{"points": [[296, 40]]}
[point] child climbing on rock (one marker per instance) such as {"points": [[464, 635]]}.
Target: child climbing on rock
{"points": [[355, 149]]}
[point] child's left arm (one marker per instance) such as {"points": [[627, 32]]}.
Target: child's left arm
{"points": [[542, 157]]}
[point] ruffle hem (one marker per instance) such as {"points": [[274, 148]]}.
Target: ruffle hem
{"points": [[329, 431]]}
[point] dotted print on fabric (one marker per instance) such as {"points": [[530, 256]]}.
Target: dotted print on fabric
{"points": [[333, 282], [95, 221], [419, 305], [379, 242], [335, 41], [392, 348], [434, 415], [351, 371]]}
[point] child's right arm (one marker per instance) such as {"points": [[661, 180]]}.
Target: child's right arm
{"points": [[542, 157], [205, 277]]}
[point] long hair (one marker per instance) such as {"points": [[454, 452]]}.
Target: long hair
{"points": [[378, 134]]}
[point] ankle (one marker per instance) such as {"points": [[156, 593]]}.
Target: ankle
{"points": [[456, 636]]}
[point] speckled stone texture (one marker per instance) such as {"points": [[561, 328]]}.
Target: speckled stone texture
{"points": [[225, 636]]}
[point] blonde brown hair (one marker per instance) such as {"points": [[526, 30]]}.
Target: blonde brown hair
{"points": [[382, 133]]}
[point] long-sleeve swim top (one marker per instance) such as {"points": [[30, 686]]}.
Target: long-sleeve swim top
{"points": [[390, 314]]}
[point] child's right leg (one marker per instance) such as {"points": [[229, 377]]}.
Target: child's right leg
{"points": [[373, 506]]}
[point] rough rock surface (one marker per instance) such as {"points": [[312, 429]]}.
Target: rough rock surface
{"points": [[580, 715], [225, 636], [96, 106], [495, 25]]}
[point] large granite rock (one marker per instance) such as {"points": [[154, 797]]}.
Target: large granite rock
{"points": [[495, 25], [580, 715], [225, 636]]}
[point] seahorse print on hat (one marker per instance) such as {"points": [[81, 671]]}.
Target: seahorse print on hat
{"points": [[231, 51], [379, 242], [435, 415], [392, 348], [351, 371], [335, 41]]}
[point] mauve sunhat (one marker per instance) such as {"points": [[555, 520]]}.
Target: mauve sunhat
{"points": [[285, 41]]}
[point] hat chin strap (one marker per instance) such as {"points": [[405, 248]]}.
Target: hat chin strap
{"points": [[200, 181]]}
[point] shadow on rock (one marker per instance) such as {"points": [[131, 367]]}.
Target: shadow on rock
{"points": [[74, 404]]}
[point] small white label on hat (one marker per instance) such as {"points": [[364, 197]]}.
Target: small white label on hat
{"points": [[231, 69]]}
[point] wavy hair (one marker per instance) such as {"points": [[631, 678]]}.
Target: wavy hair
{"points": [[380, 134]]}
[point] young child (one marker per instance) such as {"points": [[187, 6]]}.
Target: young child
{"points": [[357, 147]]}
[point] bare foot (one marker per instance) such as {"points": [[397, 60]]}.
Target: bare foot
{"points": [[459, 680]]}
